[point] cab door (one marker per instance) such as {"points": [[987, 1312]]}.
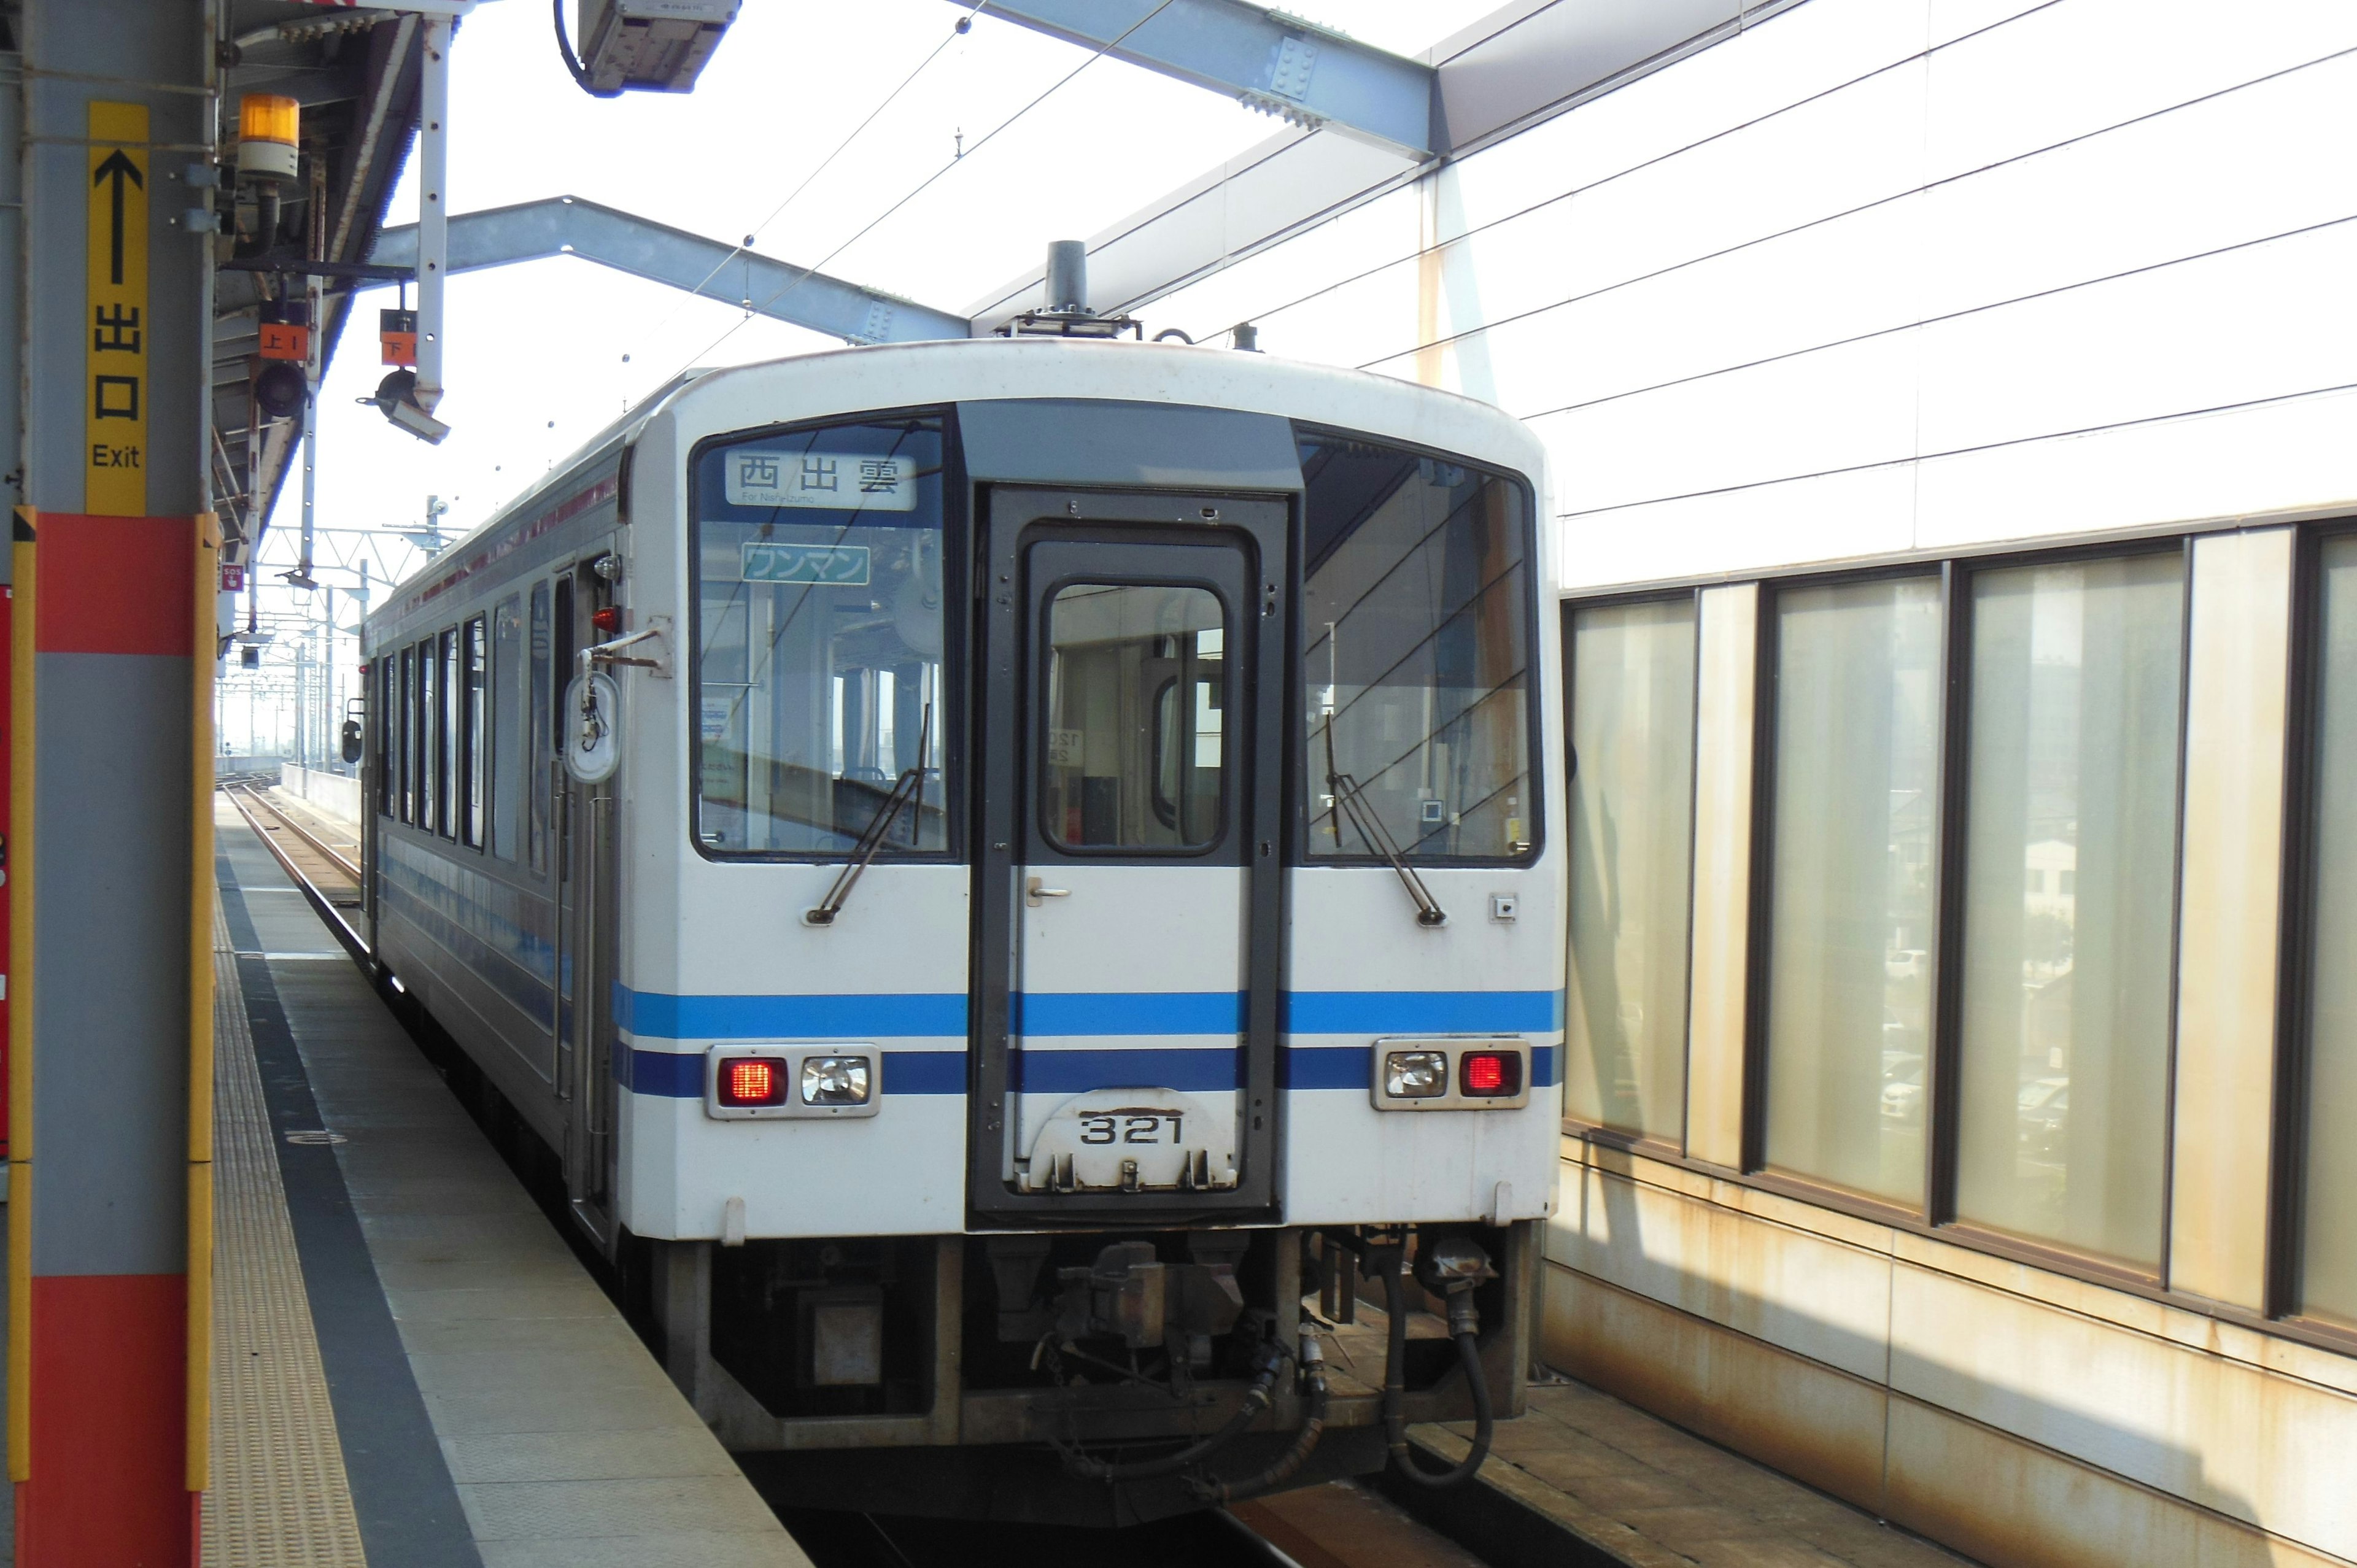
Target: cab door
{"points": [[1128, 877]]}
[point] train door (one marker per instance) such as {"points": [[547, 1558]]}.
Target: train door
{"points": [[1129, 880], [587, 916]]}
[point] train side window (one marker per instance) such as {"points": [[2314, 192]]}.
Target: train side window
{"points": [[446, 817], [385, 670], [506, 725], [472, 654], [1417, 653], [429, 705], [564, 651], [406, 786], [819, 630], [536, 708]]}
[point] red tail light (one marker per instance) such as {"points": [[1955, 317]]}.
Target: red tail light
{"points": [[1490, 1075], [751, 1082], [608, 619]]}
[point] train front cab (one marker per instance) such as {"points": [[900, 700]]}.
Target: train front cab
{"points": [[1209, 742], [1076, 883]]}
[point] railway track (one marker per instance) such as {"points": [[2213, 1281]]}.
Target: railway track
{"points": [[328, 876], [1342, 1524]]}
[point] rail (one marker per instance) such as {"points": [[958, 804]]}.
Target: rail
{"points": [[246, 798]]}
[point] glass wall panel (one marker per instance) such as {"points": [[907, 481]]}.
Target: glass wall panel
{"points": [[2070, 861], [1850, 925], [1632, 737], [2329, 1255]]}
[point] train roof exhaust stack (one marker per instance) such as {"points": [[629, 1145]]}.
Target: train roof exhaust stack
{"points": [[1067, 313], [1068, 278]]}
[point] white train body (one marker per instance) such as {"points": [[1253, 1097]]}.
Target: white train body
{"points": [[1106, 616]]}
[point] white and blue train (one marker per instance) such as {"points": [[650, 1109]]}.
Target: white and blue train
{"points": [[1000, 870]]}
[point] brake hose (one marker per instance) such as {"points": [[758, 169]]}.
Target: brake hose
{"points": [[1209, 1489], [1256, 1400], [1464, 1322]]}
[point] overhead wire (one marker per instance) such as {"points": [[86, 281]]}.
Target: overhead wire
{"points": [[926, 183], [955, 33]]}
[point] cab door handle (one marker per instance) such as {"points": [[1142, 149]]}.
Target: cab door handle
{"points": [[1034, 891]]}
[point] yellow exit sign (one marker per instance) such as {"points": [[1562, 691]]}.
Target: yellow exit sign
{"points": [[115, 393]]}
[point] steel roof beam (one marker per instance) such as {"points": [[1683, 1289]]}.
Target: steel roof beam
{"points": [[1280, 64], [569, 226]]}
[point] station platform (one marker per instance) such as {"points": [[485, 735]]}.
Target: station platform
{"points": [[410, 1366]]}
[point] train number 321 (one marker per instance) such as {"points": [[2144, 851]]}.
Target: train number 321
{"points": [[1132, 1127]]}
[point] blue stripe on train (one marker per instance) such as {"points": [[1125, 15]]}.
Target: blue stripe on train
{"points": [[656, 1015], [681, 1077]]}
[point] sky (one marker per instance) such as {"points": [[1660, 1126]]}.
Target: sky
{"points": [[541, 356]]}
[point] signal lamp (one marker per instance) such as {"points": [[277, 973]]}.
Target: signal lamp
{"points": [[1489, 1075], [269, 126], [279, 389], [749, 1084], [836, 1081], [1416, 1075]]}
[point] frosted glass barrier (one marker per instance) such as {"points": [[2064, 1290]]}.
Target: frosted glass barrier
{"points": [[1632, 740], [2070, 860], [1850, 934], [819, 634], [1416, 653], [2328, 1256]]}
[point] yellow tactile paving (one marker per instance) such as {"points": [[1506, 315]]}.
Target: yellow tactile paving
{"points": [[279, 1497]]}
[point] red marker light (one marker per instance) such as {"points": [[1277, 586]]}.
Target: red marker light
{"points": [[751, 1082], [608, 620], [1490, 1075]]}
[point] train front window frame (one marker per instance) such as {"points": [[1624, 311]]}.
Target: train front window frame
{"points": [[1475, 797], [797, 775]]}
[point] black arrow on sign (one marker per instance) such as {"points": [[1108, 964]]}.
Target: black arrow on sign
{"points": [[118, 168]]}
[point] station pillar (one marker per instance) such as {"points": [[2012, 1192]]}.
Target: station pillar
{"points": [[109, 844]]}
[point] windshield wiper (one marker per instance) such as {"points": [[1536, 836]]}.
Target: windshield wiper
{"points": [[1348, 798], [904, 789]]}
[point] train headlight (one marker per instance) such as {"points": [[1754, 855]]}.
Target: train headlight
{"points": [[837, 1080], [1416, 1075], [752, 1083]]}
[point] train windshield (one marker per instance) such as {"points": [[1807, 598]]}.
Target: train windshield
{"points": [[819, 630], [1416, 653]]}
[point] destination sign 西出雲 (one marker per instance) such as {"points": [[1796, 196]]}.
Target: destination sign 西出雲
{"points": [[843, 481]]}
